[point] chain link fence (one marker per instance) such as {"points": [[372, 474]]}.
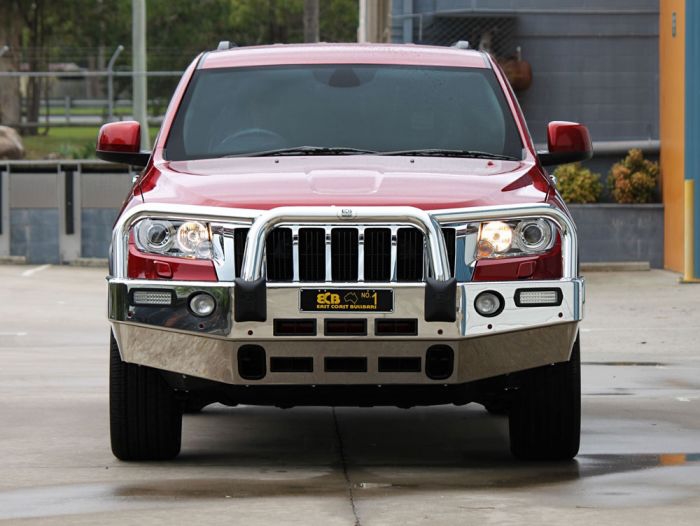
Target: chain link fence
{"points": [[495, 34]]}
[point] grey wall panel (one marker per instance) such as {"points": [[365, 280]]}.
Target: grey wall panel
{"points": [[33, 190], [104, 190], [34, 234], [620, 233], [96, 231]]}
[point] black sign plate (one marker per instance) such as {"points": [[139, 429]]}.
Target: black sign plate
{"points": [[346, 300]]}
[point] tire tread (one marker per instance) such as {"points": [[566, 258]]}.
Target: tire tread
{"points": [[145, 416], [545, 417]]}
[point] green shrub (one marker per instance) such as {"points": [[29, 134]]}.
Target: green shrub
{"points": [[634, 179], [77, 151], [578, 184]]}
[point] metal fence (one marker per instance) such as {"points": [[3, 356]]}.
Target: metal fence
{"points": [[59, 211], [66, 96]]}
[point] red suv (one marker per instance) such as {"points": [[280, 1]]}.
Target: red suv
{"points": [[344, 225]]}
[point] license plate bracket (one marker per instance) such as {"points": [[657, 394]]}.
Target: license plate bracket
{"points": [[346, 300]]}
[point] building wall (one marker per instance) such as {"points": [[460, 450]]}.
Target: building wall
{"points": [[595, 62], [672, 125]]}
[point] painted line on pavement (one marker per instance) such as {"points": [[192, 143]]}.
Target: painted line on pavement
{"points": [[32, 271]]}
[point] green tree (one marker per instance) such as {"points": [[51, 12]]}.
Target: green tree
{"points": [[87, 31]]}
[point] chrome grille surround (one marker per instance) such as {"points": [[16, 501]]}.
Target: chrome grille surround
{"points": [[333, 253]]}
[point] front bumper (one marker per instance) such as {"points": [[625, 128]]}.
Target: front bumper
{"points": [[173, 339]]}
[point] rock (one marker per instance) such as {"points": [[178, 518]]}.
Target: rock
{"points": [[10, 144]]}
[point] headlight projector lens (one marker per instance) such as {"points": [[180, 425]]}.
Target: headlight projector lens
{"points": [[202, 304], [156, 236], [533, 236], [489, 303]]}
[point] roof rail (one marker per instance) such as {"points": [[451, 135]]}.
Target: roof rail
{"points": [[225, 44], [461, 44]]}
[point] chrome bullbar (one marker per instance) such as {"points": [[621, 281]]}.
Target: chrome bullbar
{"points": [[262, 222]]}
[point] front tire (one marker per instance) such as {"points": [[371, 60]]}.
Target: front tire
{"points": [[145, 417], [545, 416]]}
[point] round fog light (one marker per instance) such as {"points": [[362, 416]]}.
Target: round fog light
{"points": [[489, 303], [202, 304]]}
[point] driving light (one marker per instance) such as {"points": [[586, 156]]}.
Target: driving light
{"points": [[538, 297], [190, 236], [497, 235], [489, 303], [152, 297], [202, 304]]}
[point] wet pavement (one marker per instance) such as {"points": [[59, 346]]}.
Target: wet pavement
{"points": [[639, 461]]}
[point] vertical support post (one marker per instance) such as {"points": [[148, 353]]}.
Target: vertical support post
{"points": [[4, 210], [688, 233], [691, 270], [66, 108], [362, 28], [311, 31], [110, 82], [408, 21], [69, 207], [69, 199], [139, 95]]}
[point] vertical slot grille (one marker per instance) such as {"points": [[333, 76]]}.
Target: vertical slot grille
{"points": [[239, 237], [449, 235], [410, 259], [409, 255], [312, 254], [377, 254], [344, 254], [278, 249]]}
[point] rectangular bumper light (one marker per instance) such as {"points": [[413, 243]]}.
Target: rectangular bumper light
{"points": [[152, 297], [538, 297]]}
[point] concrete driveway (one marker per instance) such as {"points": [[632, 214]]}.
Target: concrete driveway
{"points": [[639, 460]]}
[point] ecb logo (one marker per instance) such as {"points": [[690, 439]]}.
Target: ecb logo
{"points": [[327, 298]]}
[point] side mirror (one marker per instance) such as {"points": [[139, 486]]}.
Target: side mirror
{"points": [[120, 142], [567, 142]]}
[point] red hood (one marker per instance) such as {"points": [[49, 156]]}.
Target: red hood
{"points": [[268, 182]]}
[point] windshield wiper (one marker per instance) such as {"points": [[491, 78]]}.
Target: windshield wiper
{"points": [[438, 152], [306, 150]]}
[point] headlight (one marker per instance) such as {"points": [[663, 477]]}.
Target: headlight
{"points": [[515, 238], [192, 236], [495, 236], [174, 238]]}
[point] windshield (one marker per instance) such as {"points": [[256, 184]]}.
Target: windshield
{"points": [[343, 109]]}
